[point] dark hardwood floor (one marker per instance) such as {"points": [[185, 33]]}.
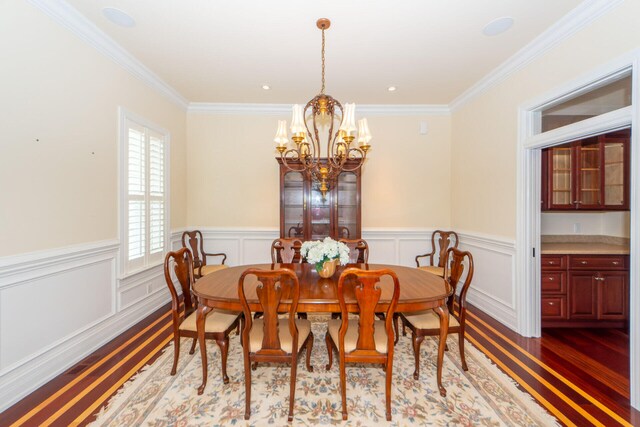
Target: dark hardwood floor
{"points": [[581, 376]]}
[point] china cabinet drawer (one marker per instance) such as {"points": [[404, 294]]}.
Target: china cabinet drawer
{"points": [[600, 262], [554, 307], [553, 262], [554, 282]]}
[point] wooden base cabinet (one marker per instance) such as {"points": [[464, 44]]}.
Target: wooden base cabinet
{"points": [[585, 291]]}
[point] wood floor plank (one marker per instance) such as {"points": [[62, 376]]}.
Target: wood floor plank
{"points": [[581, 376]]}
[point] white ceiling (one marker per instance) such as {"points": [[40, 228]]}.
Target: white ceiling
{"points": [[223, 52]]}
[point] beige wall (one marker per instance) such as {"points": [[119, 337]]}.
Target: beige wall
{"points": [[233, 175], [58, 135], [484, 131]]}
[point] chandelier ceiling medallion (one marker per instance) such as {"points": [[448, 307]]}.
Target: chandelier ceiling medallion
{"points": [[317, 119]]}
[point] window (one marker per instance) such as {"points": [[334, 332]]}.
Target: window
{"points": [[144, 169], [609, 94]]}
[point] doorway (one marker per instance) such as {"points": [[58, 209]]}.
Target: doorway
{"points": [[532, 140]]}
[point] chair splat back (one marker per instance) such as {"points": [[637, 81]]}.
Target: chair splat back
{"points": [[453, 273], [441, 241], [448, 239], [195, 245], [183, 269], [358, 250], [367, 292], [286, 251], [273, 287]]}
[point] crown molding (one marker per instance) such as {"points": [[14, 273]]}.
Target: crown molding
{"points": [[578, 18], [67, 16], [284, 109]]}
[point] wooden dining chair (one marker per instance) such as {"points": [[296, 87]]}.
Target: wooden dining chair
{"points": [[365, 340], [286, 251], [218, 324], [427, 323], [271, 339], [358, 250], [440, 242], [196, 246]]}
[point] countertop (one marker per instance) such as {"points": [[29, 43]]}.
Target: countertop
{"points": [[584, 245], [583, 248]]}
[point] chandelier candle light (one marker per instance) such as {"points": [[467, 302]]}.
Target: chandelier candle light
{"points": [[322, 113]]}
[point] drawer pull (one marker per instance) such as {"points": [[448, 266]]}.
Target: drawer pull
{"points": [[583, 262], [599, 278], [551, 262], [551, 303], [616, 262], [550, 279]]}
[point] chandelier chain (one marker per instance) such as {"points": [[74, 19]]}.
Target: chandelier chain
{"points": [[322, 90]]}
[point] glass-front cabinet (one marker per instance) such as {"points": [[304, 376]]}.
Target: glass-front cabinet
{"points": [[588, 174], [307, 214]]}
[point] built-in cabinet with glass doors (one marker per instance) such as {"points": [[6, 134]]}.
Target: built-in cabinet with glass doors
{"points": [[307, 214], [588, 174]]}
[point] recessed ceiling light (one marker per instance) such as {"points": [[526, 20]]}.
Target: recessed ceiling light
{"points": [[266, 87], [118, 17], [498, 26], [392, 88]]}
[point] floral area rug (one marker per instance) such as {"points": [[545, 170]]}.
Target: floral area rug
{"points": [[481, 396]]}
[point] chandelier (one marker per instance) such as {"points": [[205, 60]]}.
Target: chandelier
{"points": [[316, 122]]}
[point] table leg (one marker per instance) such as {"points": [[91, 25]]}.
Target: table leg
{"points": [[443, 312], [201, 315]]}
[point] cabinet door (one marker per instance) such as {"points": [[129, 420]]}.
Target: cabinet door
{"points": [[612, 295], [319, 213], [292, 222], [560, 170], [347, 206], [589, 174], [616, 167], [582, 296]]}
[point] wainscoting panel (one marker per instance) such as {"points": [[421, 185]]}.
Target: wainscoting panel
{"points": [[75, 302], [493, 286]]}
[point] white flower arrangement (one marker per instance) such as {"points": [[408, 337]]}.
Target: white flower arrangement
{"points": [[317, 252]]}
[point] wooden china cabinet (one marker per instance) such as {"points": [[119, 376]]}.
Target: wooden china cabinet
{"points": [[306, 214], [588, 174]]}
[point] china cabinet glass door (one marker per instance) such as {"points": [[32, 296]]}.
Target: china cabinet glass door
{"points": [[589, 171], [614, 174], [347, 206], [320, 213], [561, 176], [293, 203]]}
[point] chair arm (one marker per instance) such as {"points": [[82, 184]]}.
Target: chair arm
{"points": [[223, 255], [430, 255]]}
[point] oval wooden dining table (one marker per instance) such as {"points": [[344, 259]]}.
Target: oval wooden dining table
{"points": [[419, 290]]}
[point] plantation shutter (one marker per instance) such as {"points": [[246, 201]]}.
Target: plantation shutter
{"points": [[145, 196], [156, 194]]}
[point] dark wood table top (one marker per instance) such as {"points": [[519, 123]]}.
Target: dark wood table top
{"points": [[419, 290]]}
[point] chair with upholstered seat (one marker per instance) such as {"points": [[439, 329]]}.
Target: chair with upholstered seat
{"points": [[440, 242], [428, 323], [365, 340], [358, 250], [218, 324], [271, 339], [286, 251], [196, 246]]}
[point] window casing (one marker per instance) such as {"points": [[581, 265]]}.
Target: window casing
{"points": [[144, 193]]}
